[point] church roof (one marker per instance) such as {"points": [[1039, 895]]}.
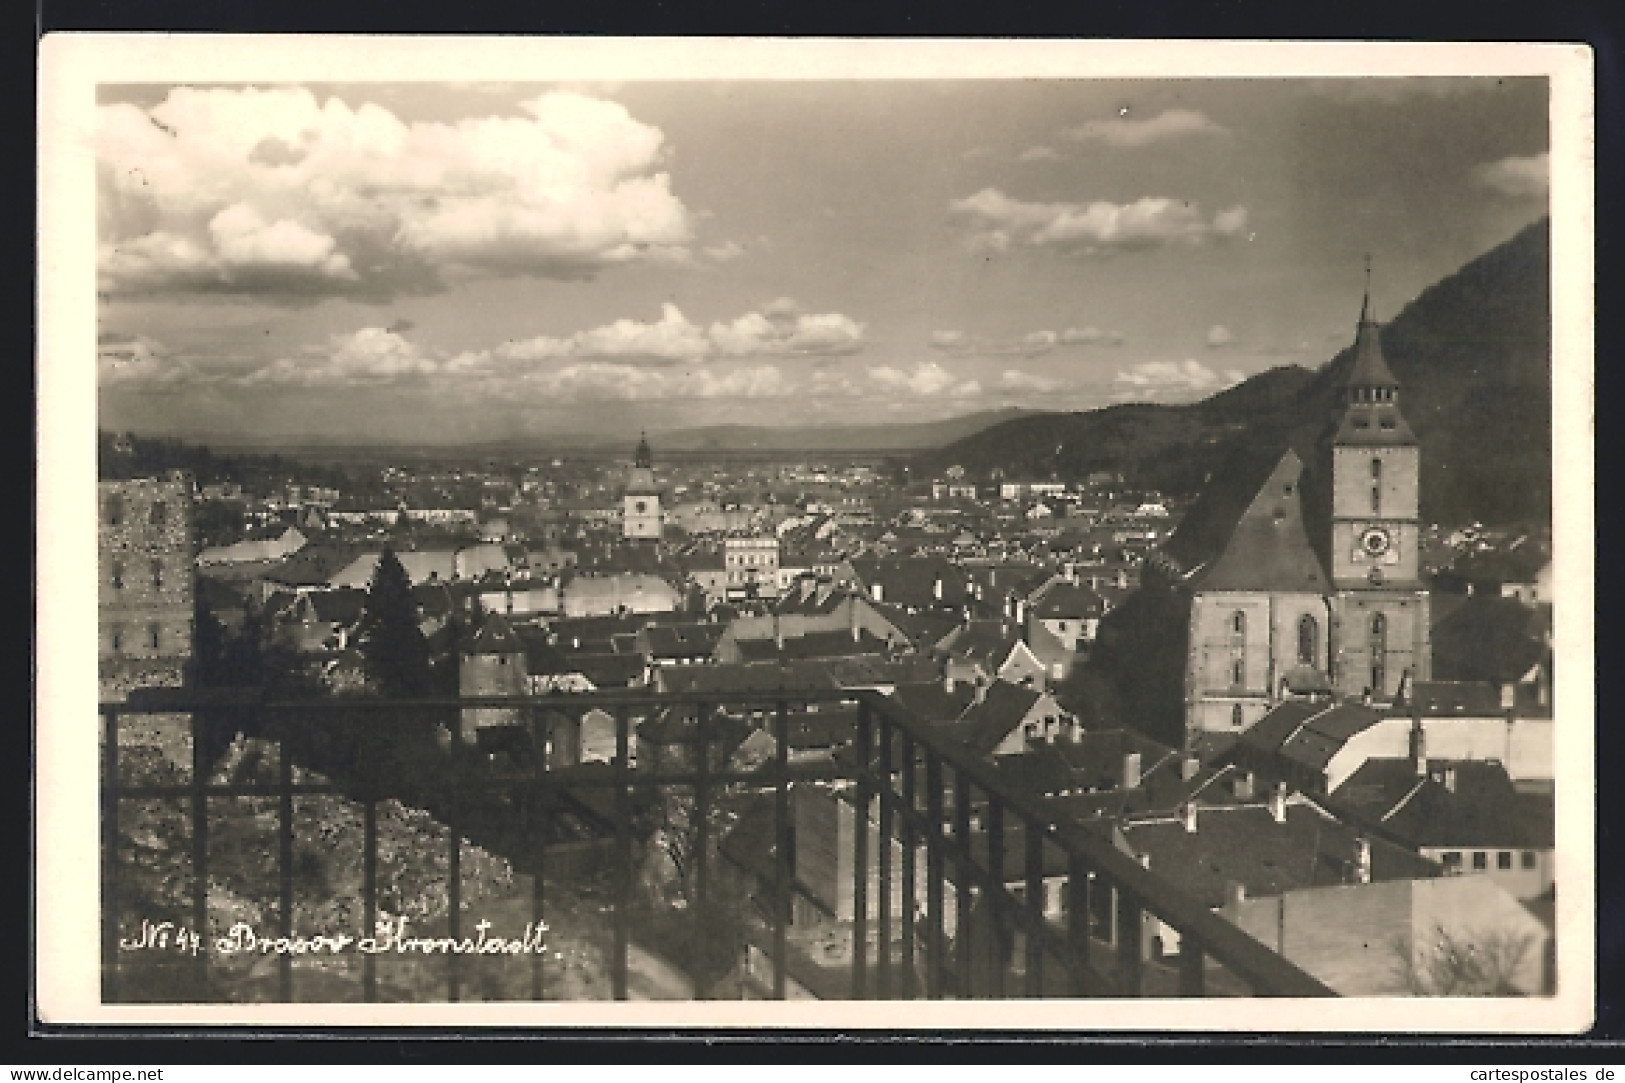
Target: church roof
{"points": [[1268, 549], [1370, 368]]}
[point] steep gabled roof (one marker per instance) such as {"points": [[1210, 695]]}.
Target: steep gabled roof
{"points": [[1268, 548], [496, 636]]}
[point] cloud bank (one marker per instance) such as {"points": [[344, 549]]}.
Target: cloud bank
{"points": [[273, 193], [994, 222], [1125, 132]]}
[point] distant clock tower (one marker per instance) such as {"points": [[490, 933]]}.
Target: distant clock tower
{"points": [[641, 514], [1381, 609]]}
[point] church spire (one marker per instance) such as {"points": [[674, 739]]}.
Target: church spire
{"points": [[643, 458], [1369, 379]]}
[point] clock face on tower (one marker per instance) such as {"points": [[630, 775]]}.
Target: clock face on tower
{"points": [[1375, 541]]}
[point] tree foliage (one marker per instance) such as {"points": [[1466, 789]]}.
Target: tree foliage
{"points": [[393, 649], [1453, 963]]}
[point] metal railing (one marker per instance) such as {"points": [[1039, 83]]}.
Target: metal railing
{"points": [[924, 790]]}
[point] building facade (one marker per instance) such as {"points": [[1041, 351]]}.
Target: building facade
{"points": [[642, 518], [145, 588], [1275, 617]]}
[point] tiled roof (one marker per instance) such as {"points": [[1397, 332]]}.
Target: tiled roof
{"points": [[985, 724], [1483, 809], [342, 607], [911, 581], [931, 702], [1068, 601], [495, 636], [811, 645], [1268, 549], [1244, 844], [746, 679], [1486, 638], [1308, 733], [692, 640]]}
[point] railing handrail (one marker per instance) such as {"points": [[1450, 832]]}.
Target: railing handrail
{"points": [[1254, 962]]}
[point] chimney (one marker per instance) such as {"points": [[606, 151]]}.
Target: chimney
{"points": [[936, 588], [1362, 861], [1021, 611], [1069, 571], [778, 634], [1509, 693], [1188, 767], [1449, 778], [877, 592], [948, 684], [1131, 770], [1190, 816], [1235, 893], [1243, 785], [1278, 803], [1145, 861], [981, 689]]}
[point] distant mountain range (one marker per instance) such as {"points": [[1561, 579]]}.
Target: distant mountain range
{"points": [[1473, 355], [908, 437]]}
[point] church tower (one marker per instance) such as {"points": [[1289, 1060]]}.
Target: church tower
{"points": [[1381, 621], [641, 515]]}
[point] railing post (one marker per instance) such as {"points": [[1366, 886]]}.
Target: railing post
{"points": [[1079, 918], [1192, 967], [910, 892], [860, 853], [110, 899], [995, 893], [702, 804], [623, 854], [1130, 943], [883, 924], [454, 907], [200, 852], [369, 894], [934, 962], [1035, 909], [781, 847], [285, 839], [962, 899], [536, 844]]}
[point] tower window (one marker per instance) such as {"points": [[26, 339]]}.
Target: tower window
{"points": [[160, 511], [1376, 469], [116, 640], [1308, 637], [152, 636], [158, 573], [1379, 652], [1376, 500], [1238, 673], [114, 510], [118, 575], [1235, 716], [1238, 626]]}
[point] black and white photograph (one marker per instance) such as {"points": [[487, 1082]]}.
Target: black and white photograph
{"points": [[1080, 537]]}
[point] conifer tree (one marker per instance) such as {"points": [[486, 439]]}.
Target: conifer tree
{"points": [[395, 654]]}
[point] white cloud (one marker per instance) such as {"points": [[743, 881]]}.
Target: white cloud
{"points": [[370, 356], [726, 251], [1090, 336], [959, 344], [1518, 178], [599, 381], [1017, 380], [996, 222], [272, 192], [1040, 154], [136, 359], [1154, 379], [780, 330], [928, 379], [1219, 336], [1126, 132]]}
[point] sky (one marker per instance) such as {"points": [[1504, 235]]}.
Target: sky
{"points": [[469, 262]]}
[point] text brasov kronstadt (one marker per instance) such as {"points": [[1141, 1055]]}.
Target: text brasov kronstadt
{"points": [[242, 939]]}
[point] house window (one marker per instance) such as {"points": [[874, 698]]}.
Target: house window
{"points": [[1451, 860], [1503, 860], [152, 636], [1481, 861], [1379, 651], [160, 510], [1308, 636], [1528, 860], [1376, 469], [113, 510], [1236, 716]]}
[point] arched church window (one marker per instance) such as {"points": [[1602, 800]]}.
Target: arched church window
{"points": [[1235, 716], [1379, 652], [1376, 469], [1308, 637], [1238, 673], [1238, 627]]}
